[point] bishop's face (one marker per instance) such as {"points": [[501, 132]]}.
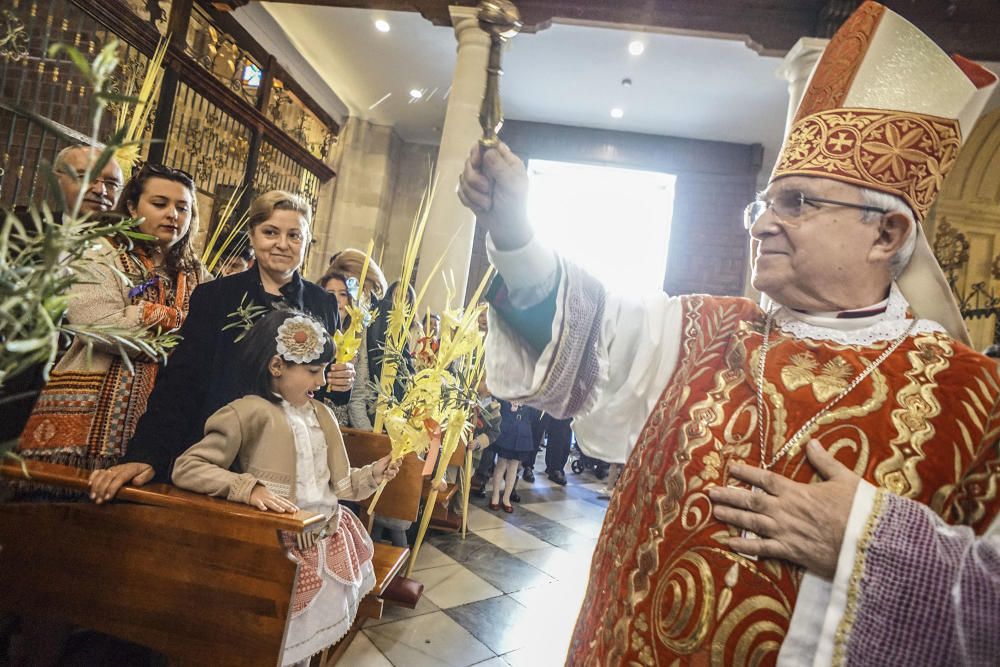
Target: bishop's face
{"points": [[821, 257]]}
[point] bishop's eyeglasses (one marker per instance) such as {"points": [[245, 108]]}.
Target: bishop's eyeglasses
{"points": [[790, 206]]}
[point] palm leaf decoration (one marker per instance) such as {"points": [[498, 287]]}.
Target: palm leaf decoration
{"points": [[134, 113]]}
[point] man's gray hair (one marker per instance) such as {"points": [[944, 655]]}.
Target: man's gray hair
{"points": [[892, 204], [59, 164]]}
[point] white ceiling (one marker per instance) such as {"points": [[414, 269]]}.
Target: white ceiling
{"points": [[714, 88]]}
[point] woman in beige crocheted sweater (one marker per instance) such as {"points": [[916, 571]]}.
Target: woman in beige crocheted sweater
{"points": [[88, 410]]}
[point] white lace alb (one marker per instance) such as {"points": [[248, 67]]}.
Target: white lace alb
{"points": [[860, 331]]}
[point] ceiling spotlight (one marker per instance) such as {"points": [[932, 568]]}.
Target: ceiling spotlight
{"points": [[636, 48], [416, 93], [617, 113], [382, 25], [626, 82]]}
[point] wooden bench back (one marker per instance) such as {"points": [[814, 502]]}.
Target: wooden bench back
{"points": [[202, 580], [401, 498]]}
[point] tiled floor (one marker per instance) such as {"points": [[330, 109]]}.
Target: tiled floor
{"points": [[506, 595]]}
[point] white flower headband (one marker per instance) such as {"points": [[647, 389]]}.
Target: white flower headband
{"points": [[300, 339]]}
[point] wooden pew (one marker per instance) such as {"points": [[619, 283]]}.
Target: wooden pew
{"points": [[442, 518], [401, 498], [199, 579]]}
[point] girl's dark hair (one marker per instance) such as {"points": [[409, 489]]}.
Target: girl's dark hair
{"points": [[181, 256], [330, 275], [325, 280], [257, 348]]}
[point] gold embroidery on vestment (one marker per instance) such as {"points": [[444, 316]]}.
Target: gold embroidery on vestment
{"points": [[702, 344], [912, 419], [832, 379], [778, 414], [854, 583], [754, 641]]}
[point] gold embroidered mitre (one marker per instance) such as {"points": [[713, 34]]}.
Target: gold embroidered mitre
{"points": [[885, 109]]}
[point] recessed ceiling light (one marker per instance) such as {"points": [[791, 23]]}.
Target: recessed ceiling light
{"points": [[636, 48], [382, 25], [617, 113], [416, 93]]}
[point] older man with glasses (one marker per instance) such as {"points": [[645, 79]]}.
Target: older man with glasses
{"points": [[100, 190], [100, 194], [857, 344]]}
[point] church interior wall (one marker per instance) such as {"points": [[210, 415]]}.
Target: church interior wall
{"points": [[366, 165], [380, 182], [414, 167]]}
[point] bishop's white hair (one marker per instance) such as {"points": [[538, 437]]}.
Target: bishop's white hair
{"points": [[892, 204]]}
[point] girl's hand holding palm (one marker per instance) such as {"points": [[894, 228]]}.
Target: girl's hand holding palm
{"points": [[385, 469]]}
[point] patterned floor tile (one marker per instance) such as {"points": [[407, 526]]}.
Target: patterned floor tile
{"points": [[560, 510], [508, 594], [363, 653], [511, 539], [503, 624], [431, 640], [430, 556], [453, 585]]}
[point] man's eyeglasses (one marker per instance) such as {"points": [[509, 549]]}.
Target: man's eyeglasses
{"points": [[109, 184], [789, 206]]}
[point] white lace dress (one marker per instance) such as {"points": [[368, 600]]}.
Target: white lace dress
{"points": [[336, 572]]}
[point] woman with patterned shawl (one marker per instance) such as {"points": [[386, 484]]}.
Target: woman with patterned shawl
{"points": [[88, 410], [858, 344]]}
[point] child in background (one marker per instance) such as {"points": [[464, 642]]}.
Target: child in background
{"points": [[513, 443], [280, 450], [487, 428]]}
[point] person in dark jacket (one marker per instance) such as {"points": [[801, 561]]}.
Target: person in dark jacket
{"points": [[376, 339], [514, 442], [202, 374]]}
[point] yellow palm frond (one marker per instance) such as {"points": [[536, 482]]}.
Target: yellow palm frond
{"points": [[133, 116]]}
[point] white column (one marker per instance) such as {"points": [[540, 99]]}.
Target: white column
{"points": [[796, 68], [448, 218]]}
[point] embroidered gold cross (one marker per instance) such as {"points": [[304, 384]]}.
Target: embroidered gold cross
{"points": [[840, 141]]}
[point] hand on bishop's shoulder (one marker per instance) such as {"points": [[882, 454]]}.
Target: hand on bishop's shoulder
{"points": [[494, 185]]}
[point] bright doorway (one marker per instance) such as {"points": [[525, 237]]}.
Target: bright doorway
{"points": [[614, 222]]}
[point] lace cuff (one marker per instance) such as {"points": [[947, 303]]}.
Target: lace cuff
{"points": [[241, 487]]}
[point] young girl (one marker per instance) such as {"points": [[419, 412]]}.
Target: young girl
{"points": [[513, 443], [287, 453]]}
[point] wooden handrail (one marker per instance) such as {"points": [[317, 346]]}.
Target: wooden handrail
{"points": [[161, 495]]}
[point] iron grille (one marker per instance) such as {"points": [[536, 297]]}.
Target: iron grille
{"points": [[50, 86], [206, 141]]}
